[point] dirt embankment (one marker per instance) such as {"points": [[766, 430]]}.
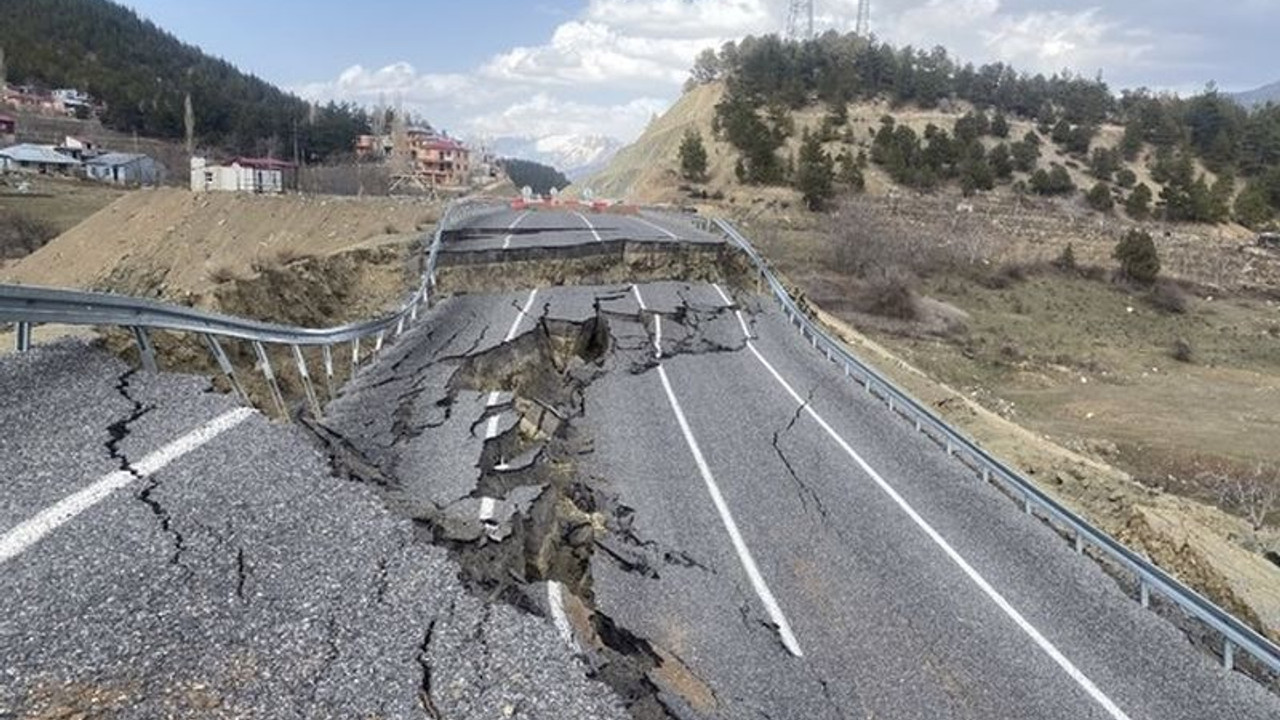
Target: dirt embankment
{"points": [[189, 248]]}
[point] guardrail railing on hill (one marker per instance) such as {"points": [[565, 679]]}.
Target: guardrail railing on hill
{"points": [[26, 307], [1150, 579]]}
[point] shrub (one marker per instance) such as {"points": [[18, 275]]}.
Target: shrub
{"points": [[1099, 198], [1066, 260], [22, 234], [1182, 351], [890, 296], [1168, 297], [1139, 261]]}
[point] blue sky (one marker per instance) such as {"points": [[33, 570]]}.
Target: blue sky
{"points": [[542, 76]]}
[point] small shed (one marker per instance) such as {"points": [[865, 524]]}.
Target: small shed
{"points": [[36, 158], [124, 169]]}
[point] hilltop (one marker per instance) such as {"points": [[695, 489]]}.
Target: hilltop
{"points": [[1259, 96], [140, 75], [893, 120]]}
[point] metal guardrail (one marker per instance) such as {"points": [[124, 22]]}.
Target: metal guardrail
{"points": [[27, 306], [1150, 579]]}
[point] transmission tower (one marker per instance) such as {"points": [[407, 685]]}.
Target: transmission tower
{"points": [[800, 20], [863, 28]]}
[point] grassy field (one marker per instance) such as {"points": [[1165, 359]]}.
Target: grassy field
{"points": [[60, 203], [1075, 357]]}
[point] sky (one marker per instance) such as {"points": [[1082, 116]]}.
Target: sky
{"points": [[545, 69]]}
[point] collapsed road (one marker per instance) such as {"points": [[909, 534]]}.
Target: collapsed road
{"points": [[642, 497]]}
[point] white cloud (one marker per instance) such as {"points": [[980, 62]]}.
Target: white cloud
{"points": [[606, 69]]}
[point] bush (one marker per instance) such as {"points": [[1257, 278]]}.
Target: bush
{"points": [[1168, 297], [890, 296], [22, 234], [1066, 260], [1182, 351], [1139, 261]]}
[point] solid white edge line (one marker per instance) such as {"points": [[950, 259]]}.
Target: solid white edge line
{"points": [[590, 227], [555, 599], [657, 336], [506, 242], [27, 533], [730, 526], [528, 305], [659, 228], [1049, 649]]}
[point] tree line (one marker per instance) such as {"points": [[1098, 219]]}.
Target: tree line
{"points": [[768, 78], [143, 75]]}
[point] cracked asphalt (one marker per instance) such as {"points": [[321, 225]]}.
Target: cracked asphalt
{"points": [[522, 510]]}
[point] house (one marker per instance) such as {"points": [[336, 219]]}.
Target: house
{"points": [[124, 169], [41, 159], [8, 130], [77, 148], [243, 174], [438, 159]]}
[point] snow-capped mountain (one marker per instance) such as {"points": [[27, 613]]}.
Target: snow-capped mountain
{"points": [[577, 156]]}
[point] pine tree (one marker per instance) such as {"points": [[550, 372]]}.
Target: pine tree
{"points": [[1138, 258], [814, 173], [1099, 198], [693, 157], [1138, 206]]}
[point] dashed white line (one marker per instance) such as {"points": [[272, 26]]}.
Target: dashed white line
{"points": [[726, 517], [1040, 640], [487, 507], [506, 241], [590, 227], [528, 305], [18, 539], [659, 228]]}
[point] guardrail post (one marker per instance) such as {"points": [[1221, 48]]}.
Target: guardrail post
{"points": [[1026, 503], [1144, 593], [224, 364], [23, 336], [146, 351], [1079, 540], [377, 341], [400, 326], [355, 356], [1228, 654], [270, 375], [306, 382], [327, 352], [986, 474]]}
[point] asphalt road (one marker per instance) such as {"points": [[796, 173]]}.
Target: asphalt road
{"points": [[635, 484], [241, 580], [540, 227]]}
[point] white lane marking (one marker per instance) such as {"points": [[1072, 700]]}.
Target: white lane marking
{"points": [[528, 305], [657, 322], [590, 227], [15, 541], [744, 555], [491, 428], [555, 599], [1049, 649], [506, 241], [487, 508], [659, 228], [741, 321], [493, 398]]}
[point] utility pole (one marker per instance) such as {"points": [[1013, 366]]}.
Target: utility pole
{"points": [[800, 20], [863, 28]]}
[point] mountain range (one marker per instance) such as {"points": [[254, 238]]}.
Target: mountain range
{"points": [[1259, 96], [577, 156]]}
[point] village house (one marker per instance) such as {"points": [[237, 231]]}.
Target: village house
{"points": [[43, 159], [255, 175], [124, 169], [439, 160], [8, 130]]}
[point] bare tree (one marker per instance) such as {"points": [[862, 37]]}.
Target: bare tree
{"points": [[1254, 494]]}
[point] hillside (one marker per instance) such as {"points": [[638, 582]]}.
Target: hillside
{"points": [[894, 120], [1259, 96], [142, 74]]}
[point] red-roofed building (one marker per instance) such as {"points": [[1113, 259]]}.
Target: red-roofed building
{"points": [[440, 160]]}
